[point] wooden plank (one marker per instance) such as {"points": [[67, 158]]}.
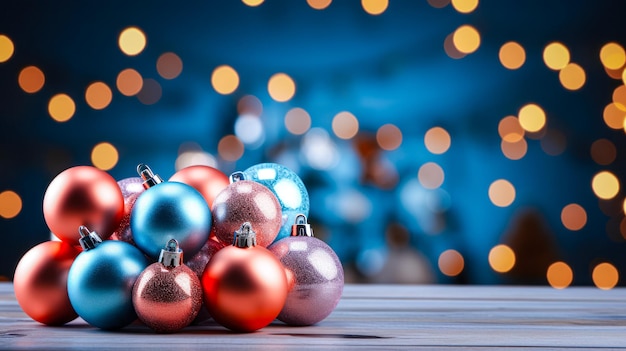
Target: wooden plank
{"points": [[375, 317]]}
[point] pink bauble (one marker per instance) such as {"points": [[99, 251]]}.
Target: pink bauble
{"points": [[131, 189]]}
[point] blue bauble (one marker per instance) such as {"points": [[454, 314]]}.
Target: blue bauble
{"points": [[288, 188], [170, 210], [100, 283]]}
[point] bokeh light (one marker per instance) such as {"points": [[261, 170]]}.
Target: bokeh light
{"points": [[150, 92], [230, 148], [556, 56], [345, 125], [573, 217], [104, 156], [297, 121], [619, 95], [389, 137], [10, 204], [603, 152], [614, 114], [253, 3], [438, 4], [501, 193], [129, 82], [61, 107], [512, 55], [225, 79], [605, 185], [510, 130], [98, 95], [281, 87], [450, 49], [451, 263], [249, 130], [532, 118], [605, 276], [572, 76], [431, 175], [466, 39], [612, 56], [31, 79], [437, 140], [501, 258], [319, 4], [169, 65], [250, 105], [514, 150], [132, 41], [465, 6], [374, 7], [560, 275], [6, 48]]}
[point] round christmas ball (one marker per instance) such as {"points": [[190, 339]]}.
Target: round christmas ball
{"points": [[131, 189], [207, 180], [198, 262], [40, 282], [288, 189], [82, 195]]}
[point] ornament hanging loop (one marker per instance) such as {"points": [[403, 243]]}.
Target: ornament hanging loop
{"points": [[245, 236], [149, 178], [236, 176], [171, 255], [301, 227], [88, 239]]}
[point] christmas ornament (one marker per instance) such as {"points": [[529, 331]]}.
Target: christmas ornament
{"points": [[100, 281], [40, 282], [207, 180], [317, 275], [131, 188], [82, 195], [167, 296], [168, 210], [245, 286], [246, 201], [198, 262], [288, 188]]}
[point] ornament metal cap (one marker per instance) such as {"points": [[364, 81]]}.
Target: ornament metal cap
{"points": [[149, 178], [301, 227], [245, 236], [236, 176], [171, 255], [88, 239]]}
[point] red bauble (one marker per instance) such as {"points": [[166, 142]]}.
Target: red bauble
{"points": [[246, 201], [40, 282], [207, 180], [83, 195]]}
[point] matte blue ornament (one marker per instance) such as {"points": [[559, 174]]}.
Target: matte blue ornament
{"points": [[100, 280], [288, 188], [169, 210]]}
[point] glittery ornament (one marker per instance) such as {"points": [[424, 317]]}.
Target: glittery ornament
{"points": [[131, 188], [40, 282], [167, 296], [207, 180], [82, 195], [288, 189], [245, 286], [246, 201], [169, 210], [100, 281], [316, 272], [198, 262]]}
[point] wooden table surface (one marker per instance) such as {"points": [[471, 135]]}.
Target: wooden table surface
{"points": [[374, 317]]}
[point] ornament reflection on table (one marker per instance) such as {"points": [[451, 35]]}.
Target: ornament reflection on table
{"points": [[316, 275], [167, 295], [100, 281]]}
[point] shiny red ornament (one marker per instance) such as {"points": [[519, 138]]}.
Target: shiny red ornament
{"points": [[40, 282], [207, 180], [82, 195], [245, 286], [246, 201]]}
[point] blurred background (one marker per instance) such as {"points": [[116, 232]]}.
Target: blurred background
{"points": [[440, 141]]}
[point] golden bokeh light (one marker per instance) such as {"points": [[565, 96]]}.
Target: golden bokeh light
{"points": [[437, 140], [624, 76], [572, 76], [132, 41], [466, 39], [104, 156], [614, 114], [450, 49], [281, 87], [345, 125], [612, 56], [31, 79], [297, 121], [532, 118], [465, 6], [250, 105], [230, 148], [319, 4], [98, 95], [10, 204], [614, 73], [389, 137], [253, 3], [605, 185], [129, 82], [605, 276], [510, 130], [169, 65], [438, 4], [150, 93], [501, 258], [225, 80], [6, 48], [451, 263], [430, 175], [559, 275], [619, 95], [375, 7], [556, 56], [512, 55], [573, 217], [61, 107], [514, 150], [603, 152], [501, 193]]}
